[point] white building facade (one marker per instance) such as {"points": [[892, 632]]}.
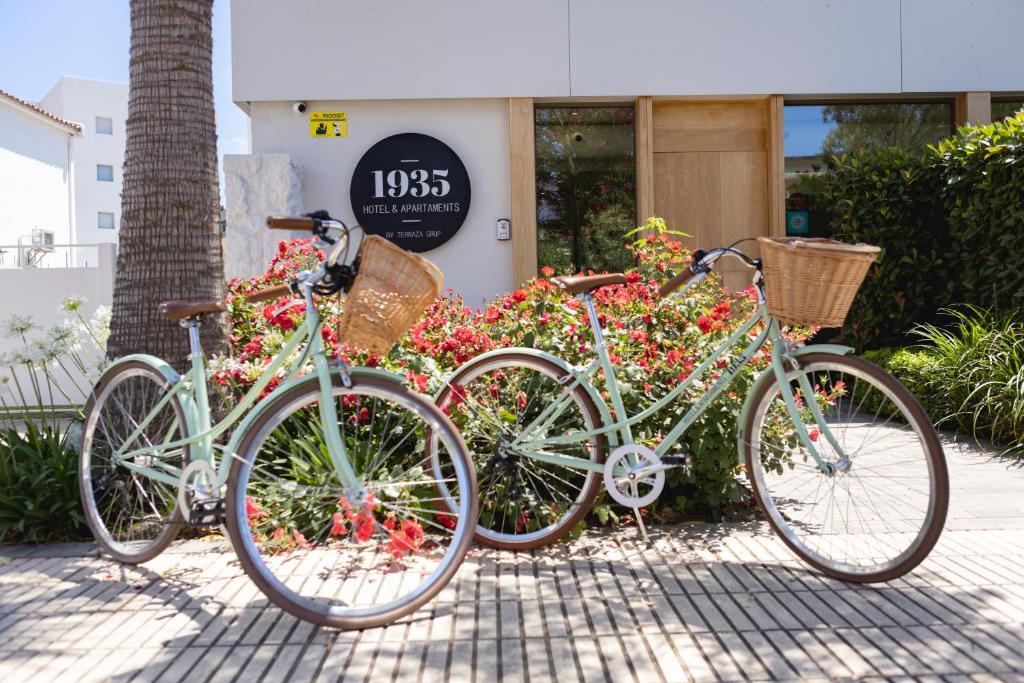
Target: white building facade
{"points": [[37, 169], [101, 109], [575, 119]]}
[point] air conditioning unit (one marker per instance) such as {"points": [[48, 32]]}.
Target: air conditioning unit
{"points": [[42, 238]]}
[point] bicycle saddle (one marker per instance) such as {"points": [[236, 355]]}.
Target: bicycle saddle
{"points": [[178, 310]]}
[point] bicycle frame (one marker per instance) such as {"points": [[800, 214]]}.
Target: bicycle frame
{"points": [[191, 390], [620, 428]]}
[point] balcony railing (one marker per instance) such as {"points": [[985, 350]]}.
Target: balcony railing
{"points": [[49, 256]]}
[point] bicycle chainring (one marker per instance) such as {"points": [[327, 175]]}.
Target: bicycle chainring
{"points": [[630, 486]]}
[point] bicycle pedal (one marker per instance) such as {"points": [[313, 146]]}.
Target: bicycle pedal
{"points": [[207, 512], [677, 460]]}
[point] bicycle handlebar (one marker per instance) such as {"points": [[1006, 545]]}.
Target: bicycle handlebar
{"points": [[701, 266], [270, 294], [676, 282], [291, 223]]}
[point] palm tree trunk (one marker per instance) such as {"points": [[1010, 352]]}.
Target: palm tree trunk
{"points": [[170, 244]]}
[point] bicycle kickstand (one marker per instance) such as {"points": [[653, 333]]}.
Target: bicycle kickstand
{"points": [[641, 526]]}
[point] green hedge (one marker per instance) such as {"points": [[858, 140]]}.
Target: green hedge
{"points": [[950, 222]]}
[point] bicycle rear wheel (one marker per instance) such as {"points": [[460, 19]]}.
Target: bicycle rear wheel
{"points": [[879, 511], [351, 558], [133, 517], [525, 502]]}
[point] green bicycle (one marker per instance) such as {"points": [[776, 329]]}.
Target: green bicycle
{"points": [[841, 457], [326, 488]]}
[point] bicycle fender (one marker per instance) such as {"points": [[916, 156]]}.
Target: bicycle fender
{"points": [[767, 376], [261, 406], [171, 375], [606, 415]]}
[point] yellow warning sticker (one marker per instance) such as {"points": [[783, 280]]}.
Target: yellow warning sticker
{"points": [[328, 124]]}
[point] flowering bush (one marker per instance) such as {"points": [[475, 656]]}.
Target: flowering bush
{"points": [[655, 344], [43, 382]]}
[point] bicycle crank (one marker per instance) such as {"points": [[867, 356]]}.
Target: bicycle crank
{"points": [[198, 494], [638, 484]]}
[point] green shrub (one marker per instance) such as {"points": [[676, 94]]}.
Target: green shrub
{"points": [[39, 498], [950, 222], [978, 373], [882, 197], [982, 193], [921, 371]]}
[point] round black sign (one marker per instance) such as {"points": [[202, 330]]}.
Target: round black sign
{"points": [[411, 189]]}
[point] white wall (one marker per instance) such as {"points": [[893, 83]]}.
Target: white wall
{"points": [[559, 48], [44, 289], [34, 178], [82, 100], [473, 261], [324, 49], [697, 47], [975, 44]]}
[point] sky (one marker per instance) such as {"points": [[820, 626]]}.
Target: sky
{"points": [[42, 41]]}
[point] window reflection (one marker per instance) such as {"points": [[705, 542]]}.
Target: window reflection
{"points": [[815, 132], [586, 200]]}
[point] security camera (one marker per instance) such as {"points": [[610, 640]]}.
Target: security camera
{"points": [[299, 107]]}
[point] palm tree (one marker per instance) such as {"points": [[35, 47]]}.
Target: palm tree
{"points": [[170, 245]]}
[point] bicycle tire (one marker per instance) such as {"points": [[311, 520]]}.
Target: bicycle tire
{"points": [[108, 382], [934, 460], [293, 597], [515, 540]]}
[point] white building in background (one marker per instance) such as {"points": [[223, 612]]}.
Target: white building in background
{"points": [[101, 109], [37, 191]]}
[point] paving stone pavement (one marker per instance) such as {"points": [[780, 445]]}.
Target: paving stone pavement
{"points": [[706, 602]]}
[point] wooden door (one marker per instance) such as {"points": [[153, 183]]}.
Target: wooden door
{"points": [[711, 174]]}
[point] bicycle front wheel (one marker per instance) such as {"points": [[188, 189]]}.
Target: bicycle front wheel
{"points": [[361, 556], [878, 510]]}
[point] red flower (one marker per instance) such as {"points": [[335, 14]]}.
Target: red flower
{"points": [[419, 381], [252, 511], [519, 295], [338, 527], [300, 540], [547, 271], [705, 324]]}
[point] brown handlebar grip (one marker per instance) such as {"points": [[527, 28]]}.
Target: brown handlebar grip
{"points": [[675, 283], [290, 223], [269, 294]]}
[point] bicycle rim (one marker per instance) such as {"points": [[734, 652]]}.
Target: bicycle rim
{"points": [[525, 503], [132, 516], [881, 511], [339, 557]]}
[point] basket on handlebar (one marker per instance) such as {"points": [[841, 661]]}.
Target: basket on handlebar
{"points": [[812, 281], [391, 290]]}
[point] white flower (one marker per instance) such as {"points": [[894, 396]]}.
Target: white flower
{"points": [[62, 337], [99, 326], [71, 304], [18, 325], [36, 351]]}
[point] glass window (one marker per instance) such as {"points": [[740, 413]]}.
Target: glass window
{"points": [[104, 125], [104, 173], [105, 220], [1003, 108], [586, 197], [815, 132]]}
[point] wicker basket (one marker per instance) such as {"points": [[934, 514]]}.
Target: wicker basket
{"points": [[811, 281], [391, 290]]}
